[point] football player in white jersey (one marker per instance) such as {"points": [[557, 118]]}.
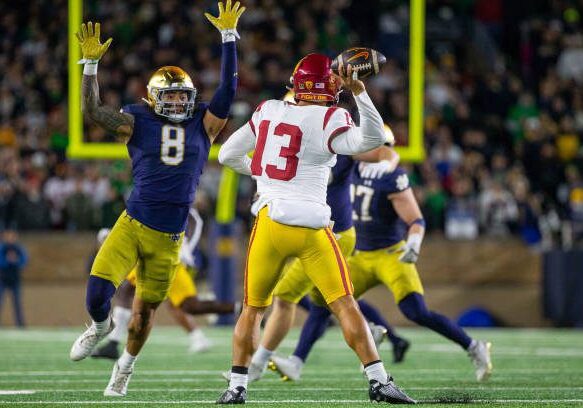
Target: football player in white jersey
{"points": [[295, 147]]}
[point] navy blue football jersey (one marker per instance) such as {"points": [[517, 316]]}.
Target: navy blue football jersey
{"points": [[167, 161], [338, 193], [376, 222]]}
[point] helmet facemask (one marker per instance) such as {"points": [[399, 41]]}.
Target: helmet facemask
{"points": [[174, 111]]}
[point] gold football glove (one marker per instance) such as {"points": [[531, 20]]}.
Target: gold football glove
{"points": [[228, 17], [91, 47]]}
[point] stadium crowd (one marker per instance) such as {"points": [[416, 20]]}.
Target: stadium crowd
{"points": [[503, 101]]}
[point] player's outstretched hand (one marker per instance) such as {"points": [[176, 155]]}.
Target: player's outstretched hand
{"points": [[91, 46], [376, 170], [350, 80], [228, 17], [409, 254]]}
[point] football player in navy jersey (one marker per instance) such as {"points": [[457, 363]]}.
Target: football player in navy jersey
{"points": [[168, 139], [389, 232]]}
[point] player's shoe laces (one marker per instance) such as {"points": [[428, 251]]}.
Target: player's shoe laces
{"points": [[399, 350], [118, 383], [108, 350], [388, 392], [254, 374], [236, 396], [480, 355], [86, 342], [289, 368], [378, 333], [199, 342]]}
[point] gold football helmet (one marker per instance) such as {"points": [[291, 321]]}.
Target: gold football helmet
{"points": [[166, 80]]}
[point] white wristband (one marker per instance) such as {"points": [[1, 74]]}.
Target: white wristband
{"points": [[229, 35], [90, 67]]}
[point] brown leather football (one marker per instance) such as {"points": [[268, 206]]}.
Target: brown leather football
{"points": [[366, 60]]}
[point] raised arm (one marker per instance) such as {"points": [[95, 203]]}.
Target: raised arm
{"points": [[217, 112], [371, 133], [119, 123]]}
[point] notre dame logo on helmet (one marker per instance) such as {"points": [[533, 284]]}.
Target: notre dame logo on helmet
{"points": [[309, 84]]}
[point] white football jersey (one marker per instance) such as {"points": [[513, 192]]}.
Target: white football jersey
{"points": [[292, 159]]}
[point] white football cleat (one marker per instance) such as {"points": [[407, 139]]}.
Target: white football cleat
{"points": [[289, 368], [199, 342], [87, 341], [118, 383], [255, 373], [480, 355]]}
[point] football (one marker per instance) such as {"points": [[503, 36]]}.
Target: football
{"points": [[366, 60]]}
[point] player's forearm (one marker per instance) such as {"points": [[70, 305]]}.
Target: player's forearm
{"points": [[108, 118], [225, 93], [234, 151], [372, 126]]}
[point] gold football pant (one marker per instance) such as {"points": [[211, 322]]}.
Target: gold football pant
{"points": [[295, 284], [131, 241], [272, 243]]}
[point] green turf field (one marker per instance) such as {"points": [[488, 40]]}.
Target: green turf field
{"points": [[531, 368]]}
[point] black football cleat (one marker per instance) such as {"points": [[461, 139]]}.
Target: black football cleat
{"points": [[388, 392], [108, 350], [236, 396], [399, 350]]}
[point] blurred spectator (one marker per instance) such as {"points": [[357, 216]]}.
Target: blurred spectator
{"points": [[498, 209], [13, 259]]}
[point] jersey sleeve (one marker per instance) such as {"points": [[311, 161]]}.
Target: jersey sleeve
{"points": [[397, 181], [336, 121], [257, 115]]}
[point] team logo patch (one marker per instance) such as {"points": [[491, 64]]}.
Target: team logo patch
{"points": [[174, 237], [402, 182], [309, 84]]}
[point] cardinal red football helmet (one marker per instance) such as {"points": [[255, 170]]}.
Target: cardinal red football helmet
{"points": [[314, 81]]}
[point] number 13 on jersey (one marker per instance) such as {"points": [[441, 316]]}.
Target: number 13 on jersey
{"points": [[289, 152]]}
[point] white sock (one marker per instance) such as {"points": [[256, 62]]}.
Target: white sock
{"points": [[472, 344], [100, 327], [238, 380], [376, 372], [126, 362], [121, 318], [261, 356]]}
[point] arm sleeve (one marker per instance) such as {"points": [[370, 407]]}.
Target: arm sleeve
{"points": [[371, 134], [234, 151], [225, 93]]}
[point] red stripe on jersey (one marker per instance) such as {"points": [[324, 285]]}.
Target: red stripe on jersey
{"points": [[247, 261], [259, 106], [252, 127], [339, 259], [328, 115], [336, 133]]}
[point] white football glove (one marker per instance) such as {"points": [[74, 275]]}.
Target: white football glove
{"points": [[411, 249], [376, 170]]}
